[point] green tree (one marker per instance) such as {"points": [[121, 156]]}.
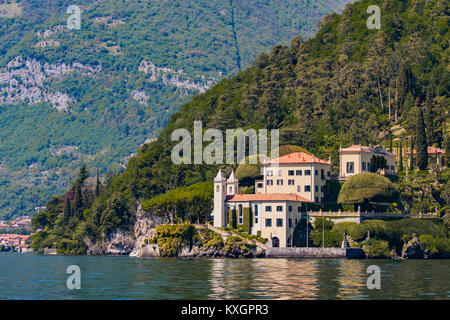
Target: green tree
{"points": [[97, 184], [83, 174], [67, 211], [411, 155], [421, 138], [400, 164], [377, 162], [78, 202]]}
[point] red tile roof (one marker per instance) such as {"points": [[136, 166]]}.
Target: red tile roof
{"points": [[268, 197], [298, 157]]}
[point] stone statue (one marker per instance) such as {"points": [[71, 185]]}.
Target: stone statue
{"points": [[344, 241]]}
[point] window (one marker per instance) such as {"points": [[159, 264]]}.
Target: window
{"points": [[307, 188], [316, 172], [268, 208], [298, 172], [291, 182], [256, 220], [322, 173], [299, 188], [290, 172], [369, 167], [299, 209], [280, 172], [279, 208], [364, 166], [270, 182], [290, 208], [279, 222], [217, 188], [307, 172], [322, 188], [316, 188], [290, 223], [268, 222], [241, 216], [279, 182], [328, 174], [230, 189], [350, 167], [317, 199], [256, 210], [296, 221], [260, 185], [269, 173]]}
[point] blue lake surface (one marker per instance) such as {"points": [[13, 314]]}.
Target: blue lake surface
{"points": [[32, 276]]}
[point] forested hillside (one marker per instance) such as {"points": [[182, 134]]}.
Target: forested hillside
{"points": [[347, 85], [94, 95]]}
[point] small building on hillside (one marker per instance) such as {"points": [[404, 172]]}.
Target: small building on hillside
{"points": [[357, 159], [435, 156]]}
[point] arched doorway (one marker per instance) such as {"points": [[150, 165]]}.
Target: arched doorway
{"points": [[275, 242]]}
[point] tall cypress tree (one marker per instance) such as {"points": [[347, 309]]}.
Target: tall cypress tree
{"points": [[67, 211], [78, 202], [390, 141], [411, 155], [83, 174], [421, 138], [400, 165], [97, 185]]}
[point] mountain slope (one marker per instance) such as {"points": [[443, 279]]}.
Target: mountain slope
{"points": [[334, 89], [96, 94]]}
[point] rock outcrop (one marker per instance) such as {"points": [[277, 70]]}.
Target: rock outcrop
{"points": [[118, 242], [412, 250]]}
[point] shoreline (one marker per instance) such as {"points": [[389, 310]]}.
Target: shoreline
{"points": [[224, 257]]}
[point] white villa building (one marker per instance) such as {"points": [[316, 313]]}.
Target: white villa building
{"points": [[356, 159], [290, 183]]}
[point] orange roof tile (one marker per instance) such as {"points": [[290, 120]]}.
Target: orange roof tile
{"points": [[298, 157], [268, 197]]}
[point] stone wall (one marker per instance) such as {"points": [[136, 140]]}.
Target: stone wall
{"points": [[338, 253]]}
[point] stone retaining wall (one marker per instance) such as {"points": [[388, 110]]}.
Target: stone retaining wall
{"points": [[338, 253]]}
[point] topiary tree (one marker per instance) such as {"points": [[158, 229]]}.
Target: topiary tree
{"points": [[368, 190]]}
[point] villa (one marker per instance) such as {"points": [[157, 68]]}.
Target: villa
{"points": [[356, 159], [435, 156], [289, 184]]}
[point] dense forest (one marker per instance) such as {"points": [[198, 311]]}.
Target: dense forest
{"points": [[94, 95], [347, 85]]}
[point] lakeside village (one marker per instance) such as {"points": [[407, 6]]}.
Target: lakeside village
{"points": [[294, 184], [15, 235]]}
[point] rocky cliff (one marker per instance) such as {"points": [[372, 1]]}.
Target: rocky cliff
{"points": [[120, 242]]}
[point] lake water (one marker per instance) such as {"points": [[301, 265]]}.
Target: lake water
{"points": [[32, 276]]}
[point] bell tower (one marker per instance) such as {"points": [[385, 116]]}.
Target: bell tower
{"points": [[232, 185], [220, 195]]}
